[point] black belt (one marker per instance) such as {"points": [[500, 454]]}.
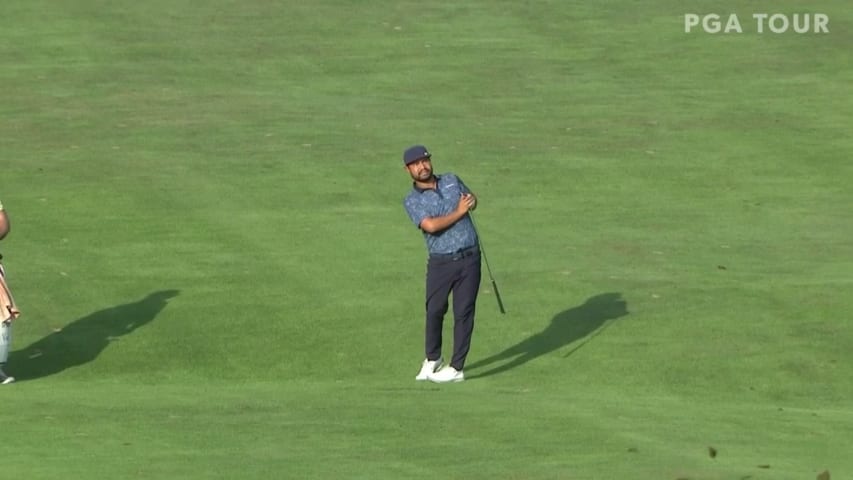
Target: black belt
{"points": [[457, 255]]}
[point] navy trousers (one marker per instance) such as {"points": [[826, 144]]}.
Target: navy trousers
{"points": [[458, 274]]}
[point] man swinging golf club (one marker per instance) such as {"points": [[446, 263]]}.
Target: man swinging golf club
{"points": [[439, 205]]}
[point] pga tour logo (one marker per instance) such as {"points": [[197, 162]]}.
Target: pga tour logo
{"points": [[764, 22]]}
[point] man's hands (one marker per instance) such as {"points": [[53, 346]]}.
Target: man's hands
{"points": [[467, 203]]}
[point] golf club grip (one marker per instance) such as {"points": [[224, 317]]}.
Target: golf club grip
{"points": [[498, 296]]}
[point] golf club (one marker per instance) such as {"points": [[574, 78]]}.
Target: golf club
{"points": [[488, 269]]}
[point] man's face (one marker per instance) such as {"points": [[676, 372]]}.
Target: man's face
{"points": [[420, 170]]}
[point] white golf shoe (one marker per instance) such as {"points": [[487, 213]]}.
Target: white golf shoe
{"points": [[428, 368], [5, 379], [447, 374]]}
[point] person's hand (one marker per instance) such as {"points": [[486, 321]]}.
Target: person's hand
{"points": [[466, 203], [473, 202]]}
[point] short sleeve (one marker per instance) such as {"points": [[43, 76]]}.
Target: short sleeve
{"points": [[416, 210], [462, 186]]}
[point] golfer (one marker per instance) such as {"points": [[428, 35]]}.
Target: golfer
{"points": [[439, 205], [8, 310]]}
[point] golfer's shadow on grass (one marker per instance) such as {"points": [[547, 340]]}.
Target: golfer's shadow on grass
{"points": [[574, 327], [82, 340]]}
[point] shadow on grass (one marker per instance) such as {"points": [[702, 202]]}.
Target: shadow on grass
{"points": [[84, 339], [583, 322]]}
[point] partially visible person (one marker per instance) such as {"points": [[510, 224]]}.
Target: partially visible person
{"points": [[438, 205], [4, 222], [8, 310]]}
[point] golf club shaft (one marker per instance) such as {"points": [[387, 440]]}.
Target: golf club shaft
{"points": [[488, 268]]}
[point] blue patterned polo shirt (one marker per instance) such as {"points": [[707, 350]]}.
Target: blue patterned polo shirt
{"points": [[421, 204]]}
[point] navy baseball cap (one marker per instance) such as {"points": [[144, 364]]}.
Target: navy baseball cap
{"points": [[415, 153]]}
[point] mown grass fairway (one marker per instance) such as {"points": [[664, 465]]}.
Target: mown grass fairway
{"points": [[219, 281]]}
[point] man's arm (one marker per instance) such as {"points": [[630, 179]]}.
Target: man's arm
{"points": [[4, 223], [437, 224]]}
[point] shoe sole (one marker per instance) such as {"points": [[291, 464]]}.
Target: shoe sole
{"points": [[458, 379], [455, 380]]}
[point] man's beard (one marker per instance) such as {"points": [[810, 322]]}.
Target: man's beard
{"points": [[422, 175]]}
